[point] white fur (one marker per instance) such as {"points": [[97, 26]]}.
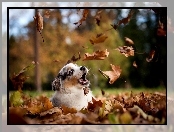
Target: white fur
{"points": [[72, 94]]}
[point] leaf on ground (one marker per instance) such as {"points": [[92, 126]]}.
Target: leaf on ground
{"points": [[16, 99], [98, 39], [98, 17], [39, 23], [94, 105], [128, 40], [98, 55], [151, 56], [67, 110], [114, 74], [126, 118], [36, 106], [126, 50], [85, 14]]}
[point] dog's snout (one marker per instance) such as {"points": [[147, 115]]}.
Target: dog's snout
{"points": [[82, 68]]}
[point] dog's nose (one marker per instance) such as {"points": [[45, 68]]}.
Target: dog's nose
{"points": [[82, 68]]}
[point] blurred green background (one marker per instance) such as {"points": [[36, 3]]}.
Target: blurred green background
{"points": [[63, 39]]}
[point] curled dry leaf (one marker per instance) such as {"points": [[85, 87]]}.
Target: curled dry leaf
{"points": [[126, 50], [94, 105], [98, 17], [127, 19], [151, 56], [47, 13], [98, 39], [128, 40], [74, 59], [85, 14], [114, 74], [18, 79], [134, 64], [98, 55], [39, 23]]}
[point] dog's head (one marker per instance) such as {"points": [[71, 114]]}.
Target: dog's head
{"points": [[69, 76]]}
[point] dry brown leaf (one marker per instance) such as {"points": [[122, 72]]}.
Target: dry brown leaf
{"points": [[98, 55], [134, 64], [128, 40], [36, 106], [115, 26], [74, 59], [47, 13], [85, 14], [126, 50], [98, 17], [127, 19], [94, 106], [67, 110], [39, 23], [151, 56], [98, 39], [114, 74]]}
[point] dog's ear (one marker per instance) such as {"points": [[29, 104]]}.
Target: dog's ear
{"points": [[56, 83]]}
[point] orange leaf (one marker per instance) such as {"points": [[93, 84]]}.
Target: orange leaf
{"points": [[98, 55], [151, 56], [85, 13], [39, 23], [114, 74], [98, 39], [126, 50]]}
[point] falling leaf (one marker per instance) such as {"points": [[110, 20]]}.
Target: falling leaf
{"points": [[85, 14], [128, 40], [114, 74], [47, 13], [126, 50], [19, 78], [127, 19], [98, 55], [39, 23], [115, 26], [151, 56], [98, 39], [103, 92], [134, 64], [98, 17], [74, 59]]}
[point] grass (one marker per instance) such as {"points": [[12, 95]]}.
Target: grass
{"points": [[97, 91]]}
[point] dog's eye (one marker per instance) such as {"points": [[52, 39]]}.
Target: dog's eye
{"points": [[71, 72]]}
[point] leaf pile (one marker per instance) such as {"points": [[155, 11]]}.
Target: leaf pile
{"points": [[125, 108]]}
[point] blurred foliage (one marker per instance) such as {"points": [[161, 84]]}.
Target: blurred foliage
{"points": [[63, 39]]}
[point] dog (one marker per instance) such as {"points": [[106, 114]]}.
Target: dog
{"points": [[71, 87]]}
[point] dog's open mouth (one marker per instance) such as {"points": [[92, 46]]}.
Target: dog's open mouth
{"points": [[83, 80]]}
